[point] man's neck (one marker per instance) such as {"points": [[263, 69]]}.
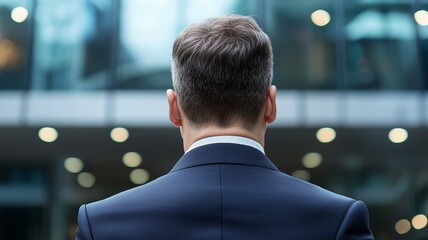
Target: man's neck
{"points": [[191, 135]]}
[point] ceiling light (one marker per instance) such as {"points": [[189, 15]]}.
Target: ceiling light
{"points": [[119, 134], [86, 179], [19, 14], [139, 176], [48, 134], [398, 135], [73, 165], [312, 160], [419, 221], [421, 17], [320, 17], [132, 159], [402, 226], [326, 135]]}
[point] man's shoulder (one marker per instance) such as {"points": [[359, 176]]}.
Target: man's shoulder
{"points": [[127, 199], [307, 192]]}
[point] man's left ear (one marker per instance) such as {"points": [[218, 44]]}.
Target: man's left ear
{"points": [[270, 110]]}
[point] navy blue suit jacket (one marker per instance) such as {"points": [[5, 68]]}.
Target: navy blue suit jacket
{"points": [[225, 191]]}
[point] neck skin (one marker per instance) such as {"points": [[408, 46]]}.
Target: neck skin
{"points": [[191, 134]]}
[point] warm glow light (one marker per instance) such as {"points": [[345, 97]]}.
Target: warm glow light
{"points": [[402, 226], [139, 176], [7, 53], [312, 160], [326, 135], [419, 221], [421, 17], [19, 14], [48, 134], [398, 135], [86, 179], [302, 174], [7, 46], [132, 159], [320, 17], [73, 165], [119, 134]]}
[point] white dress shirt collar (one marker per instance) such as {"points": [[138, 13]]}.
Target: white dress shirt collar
{"points": [[227, 139]]}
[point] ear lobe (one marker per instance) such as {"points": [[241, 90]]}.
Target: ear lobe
{"points": [[270, 111], [174, 111]]}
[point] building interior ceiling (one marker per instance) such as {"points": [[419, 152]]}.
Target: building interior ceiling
{"points": [[360, 153]]}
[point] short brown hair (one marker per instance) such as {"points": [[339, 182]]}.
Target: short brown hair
{"points": [[222, 69]]}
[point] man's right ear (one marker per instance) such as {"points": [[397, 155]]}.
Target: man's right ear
{"points": [[174, 109]]}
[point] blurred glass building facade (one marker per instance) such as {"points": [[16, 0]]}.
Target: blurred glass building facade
{"points": [[83, 113]]}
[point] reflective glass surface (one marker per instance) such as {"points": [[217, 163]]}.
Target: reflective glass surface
{"points": [[303, 36], [73, 44], [354, 45], [422, 31], [14, 41], [381, 47], [147, 32]]}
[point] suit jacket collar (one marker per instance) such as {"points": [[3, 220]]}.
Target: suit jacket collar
{"points": [[227, 153]]}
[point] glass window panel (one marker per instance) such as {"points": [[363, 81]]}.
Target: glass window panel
{"points": [[148, 30], [14, 37], [422, 28], [381, 45], [72, 48], [304, 53]]}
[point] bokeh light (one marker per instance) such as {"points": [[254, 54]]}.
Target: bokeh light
{"points": [[7, 53], [132, 159], [398, 135], [139, 176], [19, 14], [419, 221], [326, 135], [73, 165], [48, 134], [86, 179], [320, 17], [421, 17], [119, 134], [402, 226], [312, 160]]}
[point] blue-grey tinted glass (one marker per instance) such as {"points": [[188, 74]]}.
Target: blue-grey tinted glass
{"points": [[14, 37], [303, 36], [72, 44], [421, 18], [381, 48], [148, 30]]}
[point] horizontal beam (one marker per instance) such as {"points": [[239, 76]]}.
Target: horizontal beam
{"points": [[149, 108]]}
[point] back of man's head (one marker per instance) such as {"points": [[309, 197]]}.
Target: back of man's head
{"points": [[222, 69]]}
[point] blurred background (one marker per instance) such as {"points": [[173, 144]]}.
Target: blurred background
{"points": [[83, 113]]}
